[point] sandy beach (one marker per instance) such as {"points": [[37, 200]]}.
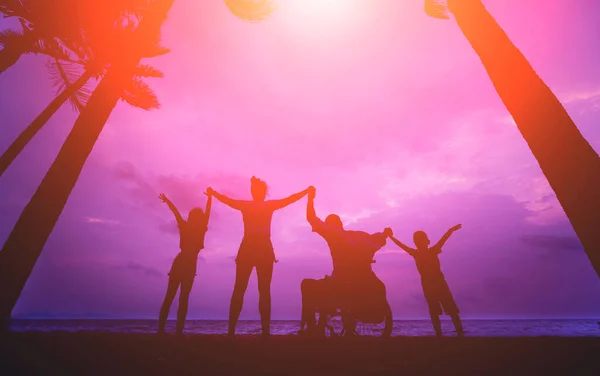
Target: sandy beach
{"points": [[85, 353]]}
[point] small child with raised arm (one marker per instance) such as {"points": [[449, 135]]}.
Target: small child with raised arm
{"points": [[183, 271], [436, 290]]}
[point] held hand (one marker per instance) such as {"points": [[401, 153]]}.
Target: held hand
{"points": [[209, 191], [163, 198], [455, 228], [388, 232], [436, 9], [312, 192]]}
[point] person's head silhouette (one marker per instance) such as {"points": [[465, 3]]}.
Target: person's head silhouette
{"points": [[196, 216], [334, 221], [258, 189], [421, 240]]}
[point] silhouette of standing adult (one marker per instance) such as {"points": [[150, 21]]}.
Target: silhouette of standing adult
{"points": [[183, 271], [256, 249]]}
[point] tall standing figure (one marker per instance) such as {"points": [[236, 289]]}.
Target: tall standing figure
{"points": [[183, 271], [256, 250]]}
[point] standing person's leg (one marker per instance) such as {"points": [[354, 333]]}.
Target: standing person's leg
{"points": [[242, 275], [166, 306], [184, 298], [457, 324], [450, 307], [264, 272], [437, 324], [431, 289]]}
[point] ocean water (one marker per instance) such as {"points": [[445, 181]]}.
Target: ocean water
{"points": [[473, 328]]}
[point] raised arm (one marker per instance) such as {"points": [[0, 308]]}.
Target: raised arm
{"points": [[208, 205], [173, 208], [378, 240], [282, 203], [235, 204], [311, 214], [407, 249], [438, 246]]}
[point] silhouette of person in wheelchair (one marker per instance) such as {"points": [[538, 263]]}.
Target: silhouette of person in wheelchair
{"points": [[353, 291]]}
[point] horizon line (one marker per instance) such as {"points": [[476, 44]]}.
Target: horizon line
{"points": [[486, 318]]}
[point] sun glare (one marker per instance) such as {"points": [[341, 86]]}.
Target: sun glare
{"points": [[320, 17]]}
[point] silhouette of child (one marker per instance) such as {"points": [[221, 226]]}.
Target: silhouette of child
{"points": [[183, 271], [256, 249], [436, 290]]}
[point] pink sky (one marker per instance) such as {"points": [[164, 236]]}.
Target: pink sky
{"points": [[386, 111]]}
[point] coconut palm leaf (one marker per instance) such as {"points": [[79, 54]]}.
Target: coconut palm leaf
{"points": [[155, 50], [251, 10], [138, 94], [50, 47], [10, 37], [63, 75], [12, 8], [26, 43], [82, 52], [151, 46], [144, 70]]}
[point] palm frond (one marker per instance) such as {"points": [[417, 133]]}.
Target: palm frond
{"points": [[147, 45], [51, 47], [65, 74], [85, 56], [138, 94], [251, 10], [13, 8], [437, 9], [11, 37], [143, 70], [129, 8], [154, 50], [78, 46]]}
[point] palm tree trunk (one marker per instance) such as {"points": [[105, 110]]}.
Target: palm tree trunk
{"points": [[27, 239], [570, 164], [8, 57], [7, 158]]}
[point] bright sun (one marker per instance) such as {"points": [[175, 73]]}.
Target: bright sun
{"points": [[320, 17]]}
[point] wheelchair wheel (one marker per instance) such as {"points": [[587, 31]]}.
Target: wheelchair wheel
{"points": [[382, 329], [334, 327]]}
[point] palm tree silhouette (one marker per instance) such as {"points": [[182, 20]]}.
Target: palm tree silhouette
{"points": [[29, 235], [70, 82], [43, 23], [17, 43], [570, 164]]}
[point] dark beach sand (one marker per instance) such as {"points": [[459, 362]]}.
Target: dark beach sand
{"points": [[36, 353]]}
